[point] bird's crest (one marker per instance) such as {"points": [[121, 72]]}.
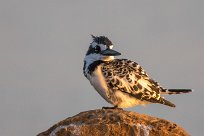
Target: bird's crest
{"points": [[101, 40]]}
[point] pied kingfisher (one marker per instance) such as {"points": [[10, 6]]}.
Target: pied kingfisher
{"points": [[121, 82]]}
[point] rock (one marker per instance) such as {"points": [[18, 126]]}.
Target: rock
{"points": [[114, 122]]}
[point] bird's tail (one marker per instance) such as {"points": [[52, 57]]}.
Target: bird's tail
{"points": [[168, 103], [176, 91]]}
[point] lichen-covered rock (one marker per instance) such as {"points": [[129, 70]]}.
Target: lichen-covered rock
{"points": [[114, 122]]}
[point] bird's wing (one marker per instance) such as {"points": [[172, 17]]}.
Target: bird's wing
{"points": [[140, 71], [129, 77]]}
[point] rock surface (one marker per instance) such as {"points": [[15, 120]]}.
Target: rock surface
{"points": [[114, 122]]}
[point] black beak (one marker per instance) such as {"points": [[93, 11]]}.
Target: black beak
{"points": [[110, 52]]}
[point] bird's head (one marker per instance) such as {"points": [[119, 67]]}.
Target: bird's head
{"points": [[101, 49]]}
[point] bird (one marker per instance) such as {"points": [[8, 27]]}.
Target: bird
{"points": [[122, 82]]}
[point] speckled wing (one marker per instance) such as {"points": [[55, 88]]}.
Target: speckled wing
{"points": [[129, 77]]}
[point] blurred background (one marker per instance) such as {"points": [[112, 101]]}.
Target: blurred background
{"points": [[43, 44]]}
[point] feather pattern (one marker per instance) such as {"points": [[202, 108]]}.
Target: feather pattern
{"points": [[130, 78], [121, 82]]}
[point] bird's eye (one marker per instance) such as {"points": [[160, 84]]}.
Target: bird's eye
{"points": [[97, 49]]}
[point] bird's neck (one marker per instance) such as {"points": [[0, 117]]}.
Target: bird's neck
{"points": [[90, 64]]}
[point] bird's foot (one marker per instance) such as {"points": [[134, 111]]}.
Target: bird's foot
{"points": [[115, 107]]}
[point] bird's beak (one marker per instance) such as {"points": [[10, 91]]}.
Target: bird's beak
{"points": [[110, 52]]}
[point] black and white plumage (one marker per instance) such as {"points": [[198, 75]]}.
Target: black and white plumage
{"points": [[121, 82]]}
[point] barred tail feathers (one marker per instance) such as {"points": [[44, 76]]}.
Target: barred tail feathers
{"points": [[176, 91]]}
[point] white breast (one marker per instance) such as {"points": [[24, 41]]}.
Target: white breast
{"points": [[97, 80]]}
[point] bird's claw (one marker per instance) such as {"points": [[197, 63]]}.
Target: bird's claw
{"points": [[115, 107]]}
